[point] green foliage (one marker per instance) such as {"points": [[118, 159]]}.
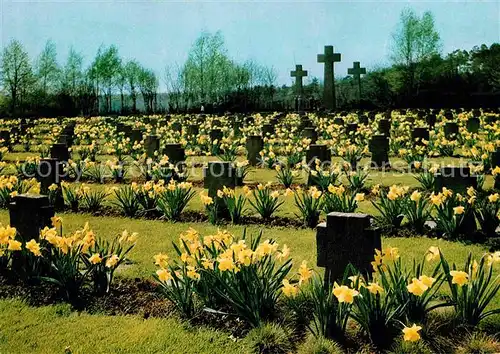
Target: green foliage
{"points": [[310, 204], [93, 200], [126, 200], [285, 176], [472, 289], [174, 199], [319, 345], [265, 202], [270, 338]]}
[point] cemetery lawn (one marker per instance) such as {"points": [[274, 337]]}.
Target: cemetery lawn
{"points": [[52, 329], [30, 329]]}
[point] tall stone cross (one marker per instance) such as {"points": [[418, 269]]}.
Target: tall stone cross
{"points": [[329, 57], [298, 74], [357, 71]]}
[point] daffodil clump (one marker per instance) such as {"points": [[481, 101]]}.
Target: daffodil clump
{"points": [[69, 261], [10, 186], [218, 269]]}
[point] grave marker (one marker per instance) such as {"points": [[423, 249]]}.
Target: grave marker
{"points": [[357, 71], [329, 58], [346, 238]]}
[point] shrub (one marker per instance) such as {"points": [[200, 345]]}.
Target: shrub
{"points": [[486, 210], [356, 180], [174, 198], [104, 257], [93, 200], [147, 194], [285, 175], [473, 288], [212, 207], [72, 195], [417, 212], [310, 205], [340, 200], [127, 201], [235, 204], [451, 212], [265, 202], [323, 177], [391, 206], [220, 269], [270, 338]]}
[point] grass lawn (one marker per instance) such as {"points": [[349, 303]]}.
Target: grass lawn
{"points": [[25, 329], [53, 329]]}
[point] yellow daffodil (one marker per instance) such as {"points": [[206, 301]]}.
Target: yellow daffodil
{"points": [[459, 277], [411, 333]]}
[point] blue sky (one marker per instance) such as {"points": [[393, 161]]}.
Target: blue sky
{"points": [[277, 33]]}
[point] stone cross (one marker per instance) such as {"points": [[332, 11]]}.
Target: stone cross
{"points": [[346, 238], [298, 74], [357, 71], [328, 58]]}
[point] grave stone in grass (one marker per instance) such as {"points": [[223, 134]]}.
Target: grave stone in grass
{"points": [[339, 121], [329, 58], [305, 122], [451, 130], [346, 238], [379, 148], [310, 133], [476, 113], [216, 123], [298, 74], [495, 158], [448, 114], [267, 130], [175, 153], [216, 134], [384, 127], [193, 130], [351, 129], [431, 119], [473, 124], [29, 214], [363, 119], [419, 134], [317, 152], [458, 179], [491, 119], [217, 175], [50, 172], [254, 145], [60, 152], [136, 136], [151, 145], [176, 127]]}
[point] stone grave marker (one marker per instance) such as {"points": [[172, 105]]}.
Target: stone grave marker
{"points": [[329, 58], [254, 145], [384, 127], [298, 74], [473, 124], [451, 130], [29, 214], [152, 144], [51, 171], [217, 175], [5, 136], [458, 179], [379, 148], [267, 130], [357, 71], [419, 134], [310, 133], [216, 134], [60, 152], [346, 238]]}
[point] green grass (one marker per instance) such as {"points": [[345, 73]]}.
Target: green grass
{"points": [[52, 329]]}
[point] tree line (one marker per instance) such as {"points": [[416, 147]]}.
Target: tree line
{"points": [[419, 75]]}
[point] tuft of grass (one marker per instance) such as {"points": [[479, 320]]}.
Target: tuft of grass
{"points": [[319, 345], [478, 343], [270, 338]]}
